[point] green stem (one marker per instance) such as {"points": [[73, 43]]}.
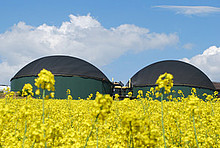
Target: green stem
{"points": [[131, 137], [212, 108], [43, 116], [33, 144], [143, 104], [43, 104], [6, 99], [162, 118], [179, 133], [16, 126], [171, 135], [26, 99], [25, 130], [97, 144], [87, 139], [195, 131]]}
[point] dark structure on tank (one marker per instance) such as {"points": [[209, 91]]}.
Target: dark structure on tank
{"points": [[81, 77], [186, 77]]}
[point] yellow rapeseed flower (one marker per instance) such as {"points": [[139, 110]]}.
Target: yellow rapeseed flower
{"points": [[37, 92], [45, 80], [130, 94], [68, 91], [27, 90], [165, 81], [117, 97]]}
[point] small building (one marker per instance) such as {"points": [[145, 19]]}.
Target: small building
{"points": [[121, 90], [217, 87], [81, 77]]}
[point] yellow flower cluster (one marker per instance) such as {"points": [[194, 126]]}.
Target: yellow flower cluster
{"points": [[45, 80], [27, 90], [193, 102], [89, 97], [140, 94], [165, 83], [139, 131], [127, 123], [116, 97], [9, 95], [102, 105], [6, 90], [68, 93], [129, 94]]}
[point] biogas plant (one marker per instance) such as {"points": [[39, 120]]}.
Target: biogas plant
{"points": [[83, 78]]}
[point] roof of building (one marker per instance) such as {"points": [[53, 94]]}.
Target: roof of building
{"points": [[217, 85], [184, 74], [61, 66]]}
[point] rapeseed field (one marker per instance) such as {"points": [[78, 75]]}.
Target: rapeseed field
{"points": [[101, 121]]}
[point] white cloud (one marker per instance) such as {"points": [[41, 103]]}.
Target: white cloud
{"points": [[188, 46], [208, 62], [192, 10], [82, 36]]}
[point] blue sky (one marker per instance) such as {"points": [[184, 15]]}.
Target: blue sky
{"points": [[119, 37]]}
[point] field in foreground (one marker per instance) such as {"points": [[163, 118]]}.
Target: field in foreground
{"points": [[103, 122]]}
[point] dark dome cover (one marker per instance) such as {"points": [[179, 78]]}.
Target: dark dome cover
{"points": [[184, 74], [61, 66]]}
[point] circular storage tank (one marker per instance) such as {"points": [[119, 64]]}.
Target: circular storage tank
{"points": [[186, 77], [81, 77]]}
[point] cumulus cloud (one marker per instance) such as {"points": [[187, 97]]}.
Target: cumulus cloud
{"points": [[192, 10], [81, 36], [208, 62]]}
